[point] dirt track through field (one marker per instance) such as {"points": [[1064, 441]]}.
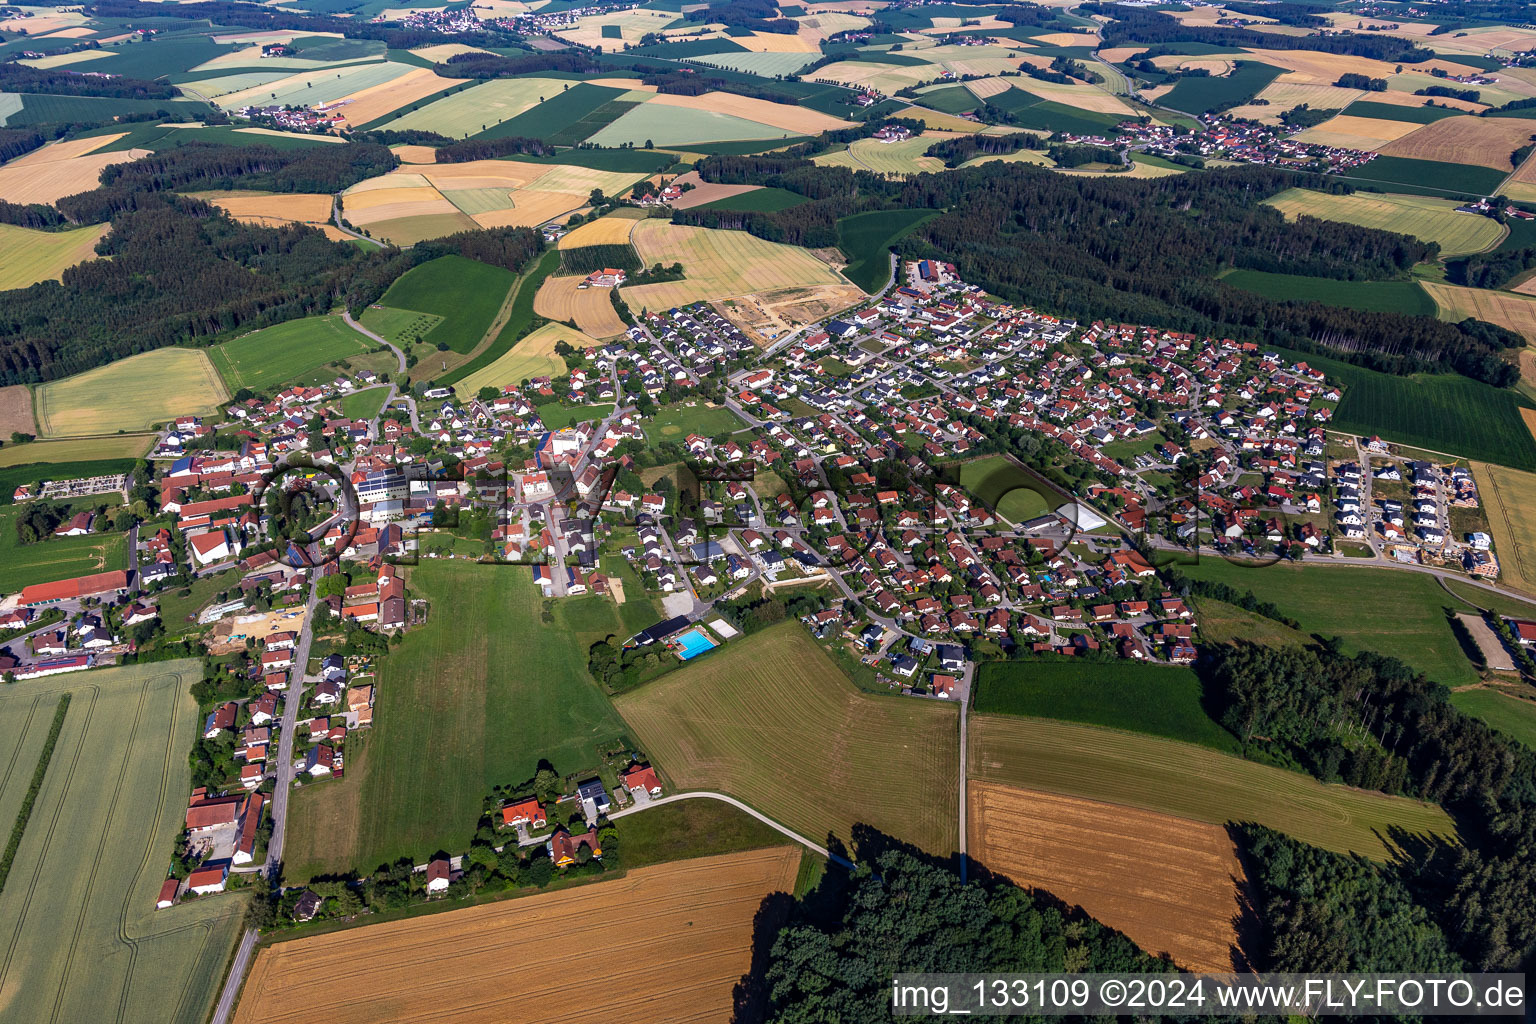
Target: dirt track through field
{"points": [[1171, 884], [664, 943]]}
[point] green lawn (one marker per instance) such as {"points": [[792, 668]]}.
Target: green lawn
{"points": [[759, 200], [365, 404], [467, 294], [1154, 699], [866, 239], [691, 828], [1404, 297], [556, 415], [275, 355], [475, 698], [1350, 602], [1006, 486], [401, 326], [675, 422], [1509, 715]]}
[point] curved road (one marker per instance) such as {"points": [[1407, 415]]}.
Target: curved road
{"points": [[336, 219], [394, 385]]}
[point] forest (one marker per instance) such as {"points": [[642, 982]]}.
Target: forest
{"points": [[249, 15], [1138, 25], [20, 78], [1490, 269], [1135, 251], [202, 166], [491, 65]]}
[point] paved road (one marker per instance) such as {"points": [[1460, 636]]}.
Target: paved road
{"points": [[336, 219], [394, 385], [797, 837], [291, 704], [226, 1007]]}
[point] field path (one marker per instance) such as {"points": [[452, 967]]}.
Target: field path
{"points": [[760, 816]]}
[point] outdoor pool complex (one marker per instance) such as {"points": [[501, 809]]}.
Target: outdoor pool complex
{"points": [[693, 643]]}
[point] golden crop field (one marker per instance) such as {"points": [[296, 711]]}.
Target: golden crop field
{"points": [[1432, 220], [270, 208], [613, 229], [1456, 303], [897, 158], [704, 191], [533, 356], [800, 120], [1466, 140], [1357, 132], [77, 449], [60, 169], [1172, 885], [1509, 497], [529, 208], [719, 264], [560, 298], [130, 394], [771, 720], [668, 942], [377, 100], [1314, 67], [28, 256], [1191, 781]]}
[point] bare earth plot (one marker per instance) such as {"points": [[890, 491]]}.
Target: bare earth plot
{"points": [[771, 720], [701, 193], [764, 287], [1172, 885], [1191, 782], [16, 410], [80, 939], [662, 943], [130, 394]]}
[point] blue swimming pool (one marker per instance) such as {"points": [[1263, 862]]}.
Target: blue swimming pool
{"points": [[693, 643]]}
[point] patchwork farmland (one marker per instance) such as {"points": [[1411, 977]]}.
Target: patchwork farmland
{"points": [[1432, 220], [1172, 885], [563, 299], [772, 721], [670, 942]]}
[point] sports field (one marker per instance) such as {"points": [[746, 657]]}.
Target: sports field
{"points": [[460, 709], [1431, 220], [57, 558], [1172, 885], [1345, 601], [1509, 498], [28, 256], [1192, 782], [1510, 715], [1516, 312], [130, 394], [77, 449], [1000, 483], [720, 264], [274, 355], [81, 937], [563, 298], [533, 356], [467, 294], [669, 942], [771, 720], [675, 422]]}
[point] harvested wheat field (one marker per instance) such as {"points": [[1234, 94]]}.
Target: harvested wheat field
{"points": [[130, 394], [1516, 312], [1174, 886], [1313, 67], [528, 208], [60, 169], [983, 88], [375, 101], [1357, 132], [704, 192], [1433, 220], [560, 298], [1487, 141], [533, 356], [800, 120], [16, 410], [613, 229], [1509, 497], [779, 42], [415, 154], [667, 942], [271, 210], [1523, 184]]}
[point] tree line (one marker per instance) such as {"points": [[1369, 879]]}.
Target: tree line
{"points": [[20, 78], [1138, 25], [248, 15]]}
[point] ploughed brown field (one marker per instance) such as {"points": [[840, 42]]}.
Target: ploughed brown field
{"points": [[1171, 884], [664, 943]]}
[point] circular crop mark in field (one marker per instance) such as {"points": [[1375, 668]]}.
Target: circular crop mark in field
{"points": [[303, 503]]}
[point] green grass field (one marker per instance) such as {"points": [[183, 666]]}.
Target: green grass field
{"points": [[1509, 715], [365, 404], [401, 326], [1006, 486], [12, 477], [1133, 696], [1040, 114], [1347, 601], [1442, 412], [465, 293], [276, 355], [557, 112], [556, 415], [1222, 623], [461, 708], [1192, 782], [479, 107], [759, 200], [1404, 297], [1425, 177], [76, 449], [518, 320], [77, 920], [131, 394], [1430, 220], [56, 559], [866, 239], [679, 126], [675, 422], [771, 720]]}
